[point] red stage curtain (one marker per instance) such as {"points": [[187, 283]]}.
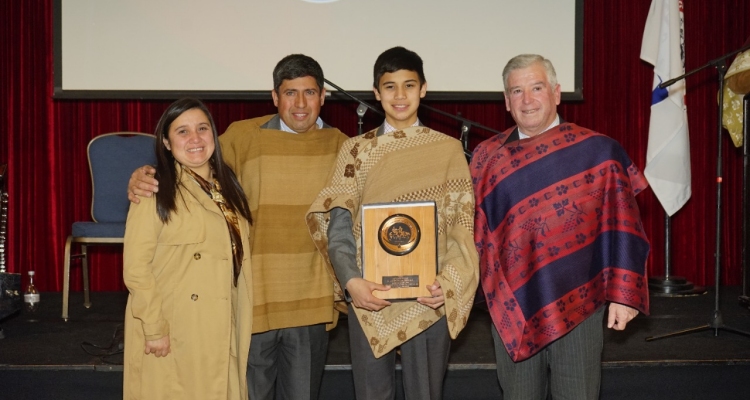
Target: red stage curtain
{"points": [[44, 140]]}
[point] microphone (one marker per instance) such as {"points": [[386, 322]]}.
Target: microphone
{"points": [[361, 110], [465, 128]]}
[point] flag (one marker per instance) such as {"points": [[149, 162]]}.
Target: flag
{"points": [[668, 154]]}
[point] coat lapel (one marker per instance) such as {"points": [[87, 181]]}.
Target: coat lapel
{"points": [[199, 196]]}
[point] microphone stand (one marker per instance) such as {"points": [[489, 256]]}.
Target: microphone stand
{"points": [[744, 298], [717, 322], [361, 108], [466, 125]]}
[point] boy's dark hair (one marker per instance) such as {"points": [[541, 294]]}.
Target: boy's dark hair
{"points": [[296, 66], [395, 59], [167, 174]]}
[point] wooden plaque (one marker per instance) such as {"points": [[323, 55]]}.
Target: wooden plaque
{"points": [[399, 248]]}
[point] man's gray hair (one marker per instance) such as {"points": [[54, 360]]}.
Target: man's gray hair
{"points": [[526, 60]]}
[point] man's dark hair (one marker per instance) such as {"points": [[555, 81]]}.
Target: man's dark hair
{"points": [[395, 59], [296, 66]]}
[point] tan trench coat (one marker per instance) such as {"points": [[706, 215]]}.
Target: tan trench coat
{"points": [[180, 280]]}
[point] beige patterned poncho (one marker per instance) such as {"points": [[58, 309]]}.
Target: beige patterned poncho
{"points": [[414, 164]]}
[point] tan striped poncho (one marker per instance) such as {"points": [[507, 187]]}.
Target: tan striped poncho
{"points": [[281, 174], [408, 165]]}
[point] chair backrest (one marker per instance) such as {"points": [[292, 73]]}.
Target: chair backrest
{"points": [[112, 158]]}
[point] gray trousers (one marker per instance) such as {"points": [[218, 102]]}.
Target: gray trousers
{"points": [[424, 359], [569, 368], [287, 363]]}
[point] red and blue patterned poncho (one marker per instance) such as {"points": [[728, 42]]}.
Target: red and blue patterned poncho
{"points": [[558, 232]]}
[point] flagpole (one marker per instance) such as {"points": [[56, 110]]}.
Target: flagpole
{"points": [[668, 152]]}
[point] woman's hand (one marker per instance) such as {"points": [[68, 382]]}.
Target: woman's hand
{"points": [[158, 347]]}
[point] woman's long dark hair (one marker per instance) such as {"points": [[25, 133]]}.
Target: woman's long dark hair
{"points": [[166, 173]]}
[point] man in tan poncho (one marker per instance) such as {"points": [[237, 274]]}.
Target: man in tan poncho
{"points": [[282, 162], [400, 161]]}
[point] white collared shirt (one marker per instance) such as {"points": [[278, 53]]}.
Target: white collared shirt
{"points": [[388, 128], [554, 123], [285, 128]]}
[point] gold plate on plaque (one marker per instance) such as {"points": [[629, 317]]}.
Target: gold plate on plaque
{"points": [[399, 248], [399, 234]]}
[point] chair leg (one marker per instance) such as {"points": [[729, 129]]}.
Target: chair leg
{"points": [[85, 265], [66, 278]]}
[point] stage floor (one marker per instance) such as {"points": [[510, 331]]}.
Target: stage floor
{"points": [[686, 366]]}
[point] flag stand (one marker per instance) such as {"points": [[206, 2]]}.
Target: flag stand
{"points": [[716, 323], [670, 285]]}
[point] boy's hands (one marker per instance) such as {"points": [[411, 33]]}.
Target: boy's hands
{"points": [[437, 299], [360, 291]]}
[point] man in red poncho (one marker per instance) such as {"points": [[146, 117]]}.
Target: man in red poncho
{"points": [[559, 237]]}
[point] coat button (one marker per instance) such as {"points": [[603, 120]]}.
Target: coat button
{"points": [[194, 297], [197, 256]]}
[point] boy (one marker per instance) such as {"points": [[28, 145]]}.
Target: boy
{"points": [[400, 161]]}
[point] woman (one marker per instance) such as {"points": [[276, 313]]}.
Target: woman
{"points": [[187, 267]]}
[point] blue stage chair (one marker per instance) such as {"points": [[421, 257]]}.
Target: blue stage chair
{"points": [[112, 159]]}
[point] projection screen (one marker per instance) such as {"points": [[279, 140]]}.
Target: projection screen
{"points": [[226, 49]]}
